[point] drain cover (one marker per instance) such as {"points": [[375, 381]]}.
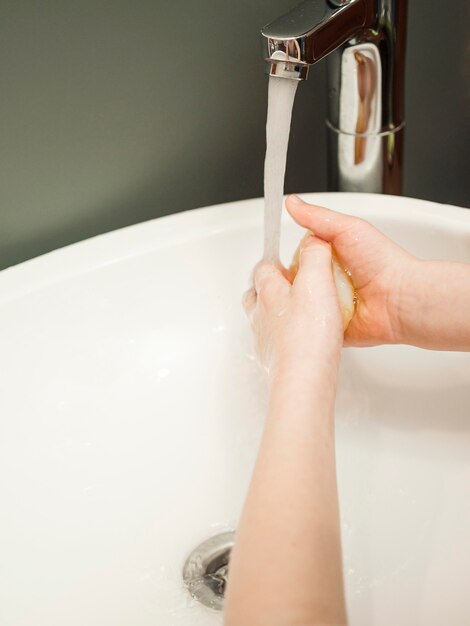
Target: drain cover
{"points": [[206, 570]]}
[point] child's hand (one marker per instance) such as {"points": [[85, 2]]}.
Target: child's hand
{"points": [[297, 325], [291, 509], [379, 269]]}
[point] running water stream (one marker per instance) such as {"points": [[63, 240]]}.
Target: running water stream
{"points": [[281, 94]]}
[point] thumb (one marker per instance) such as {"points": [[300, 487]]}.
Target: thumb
{"points": [[315, 257], [325, 223], [314, 286], [314, 263]]}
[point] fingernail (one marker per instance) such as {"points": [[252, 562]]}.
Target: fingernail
{"points": [[306, 243], [295, 199]]}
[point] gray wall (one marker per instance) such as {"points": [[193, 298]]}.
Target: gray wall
{"points": [[117, 111]]}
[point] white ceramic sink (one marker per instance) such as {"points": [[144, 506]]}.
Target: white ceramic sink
{"points": [[131, 409]]}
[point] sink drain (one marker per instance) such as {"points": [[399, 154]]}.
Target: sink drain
{"points": [[206, 570]]}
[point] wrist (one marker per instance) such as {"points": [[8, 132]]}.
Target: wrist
{"points": [[432, 307], [305, 398], [310, 370], [406, 305]]}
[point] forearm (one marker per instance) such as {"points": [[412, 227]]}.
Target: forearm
{"points": [[434, 307], [291, 513]]}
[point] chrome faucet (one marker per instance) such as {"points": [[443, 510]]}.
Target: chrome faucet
{"points": [[364, 41]]}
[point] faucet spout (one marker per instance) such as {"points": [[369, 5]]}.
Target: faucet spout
{"points": [[364, 42], [310, 32]]}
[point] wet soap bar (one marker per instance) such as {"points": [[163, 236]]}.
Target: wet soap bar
{"points": [[344, 285]]}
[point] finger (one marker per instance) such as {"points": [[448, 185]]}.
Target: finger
{"points": [[287, 273], [249, 301], [325, 223], [269, 281], [265, 274], [314, 254], [314, 263]]}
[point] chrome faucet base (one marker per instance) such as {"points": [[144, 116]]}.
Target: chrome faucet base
{"points": [[380, 172]]}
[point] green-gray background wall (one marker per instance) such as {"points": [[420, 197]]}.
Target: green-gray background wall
{"points": [[117, 111]]}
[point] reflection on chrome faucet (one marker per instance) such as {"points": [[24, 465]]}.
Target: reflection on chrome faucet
{"points": [[360, 108], [364, 41], [367, 91]]}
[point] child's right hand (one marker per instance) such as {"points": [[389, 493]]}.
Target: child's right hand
{"points": [[400, 298], [378, 268]]}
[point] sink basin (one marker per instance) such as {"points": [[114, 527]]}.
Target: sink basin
{"points": [[131, 408]]}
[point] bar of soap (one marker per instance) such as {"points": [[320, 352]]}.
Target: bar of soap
{"points": [[343, 282]]}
